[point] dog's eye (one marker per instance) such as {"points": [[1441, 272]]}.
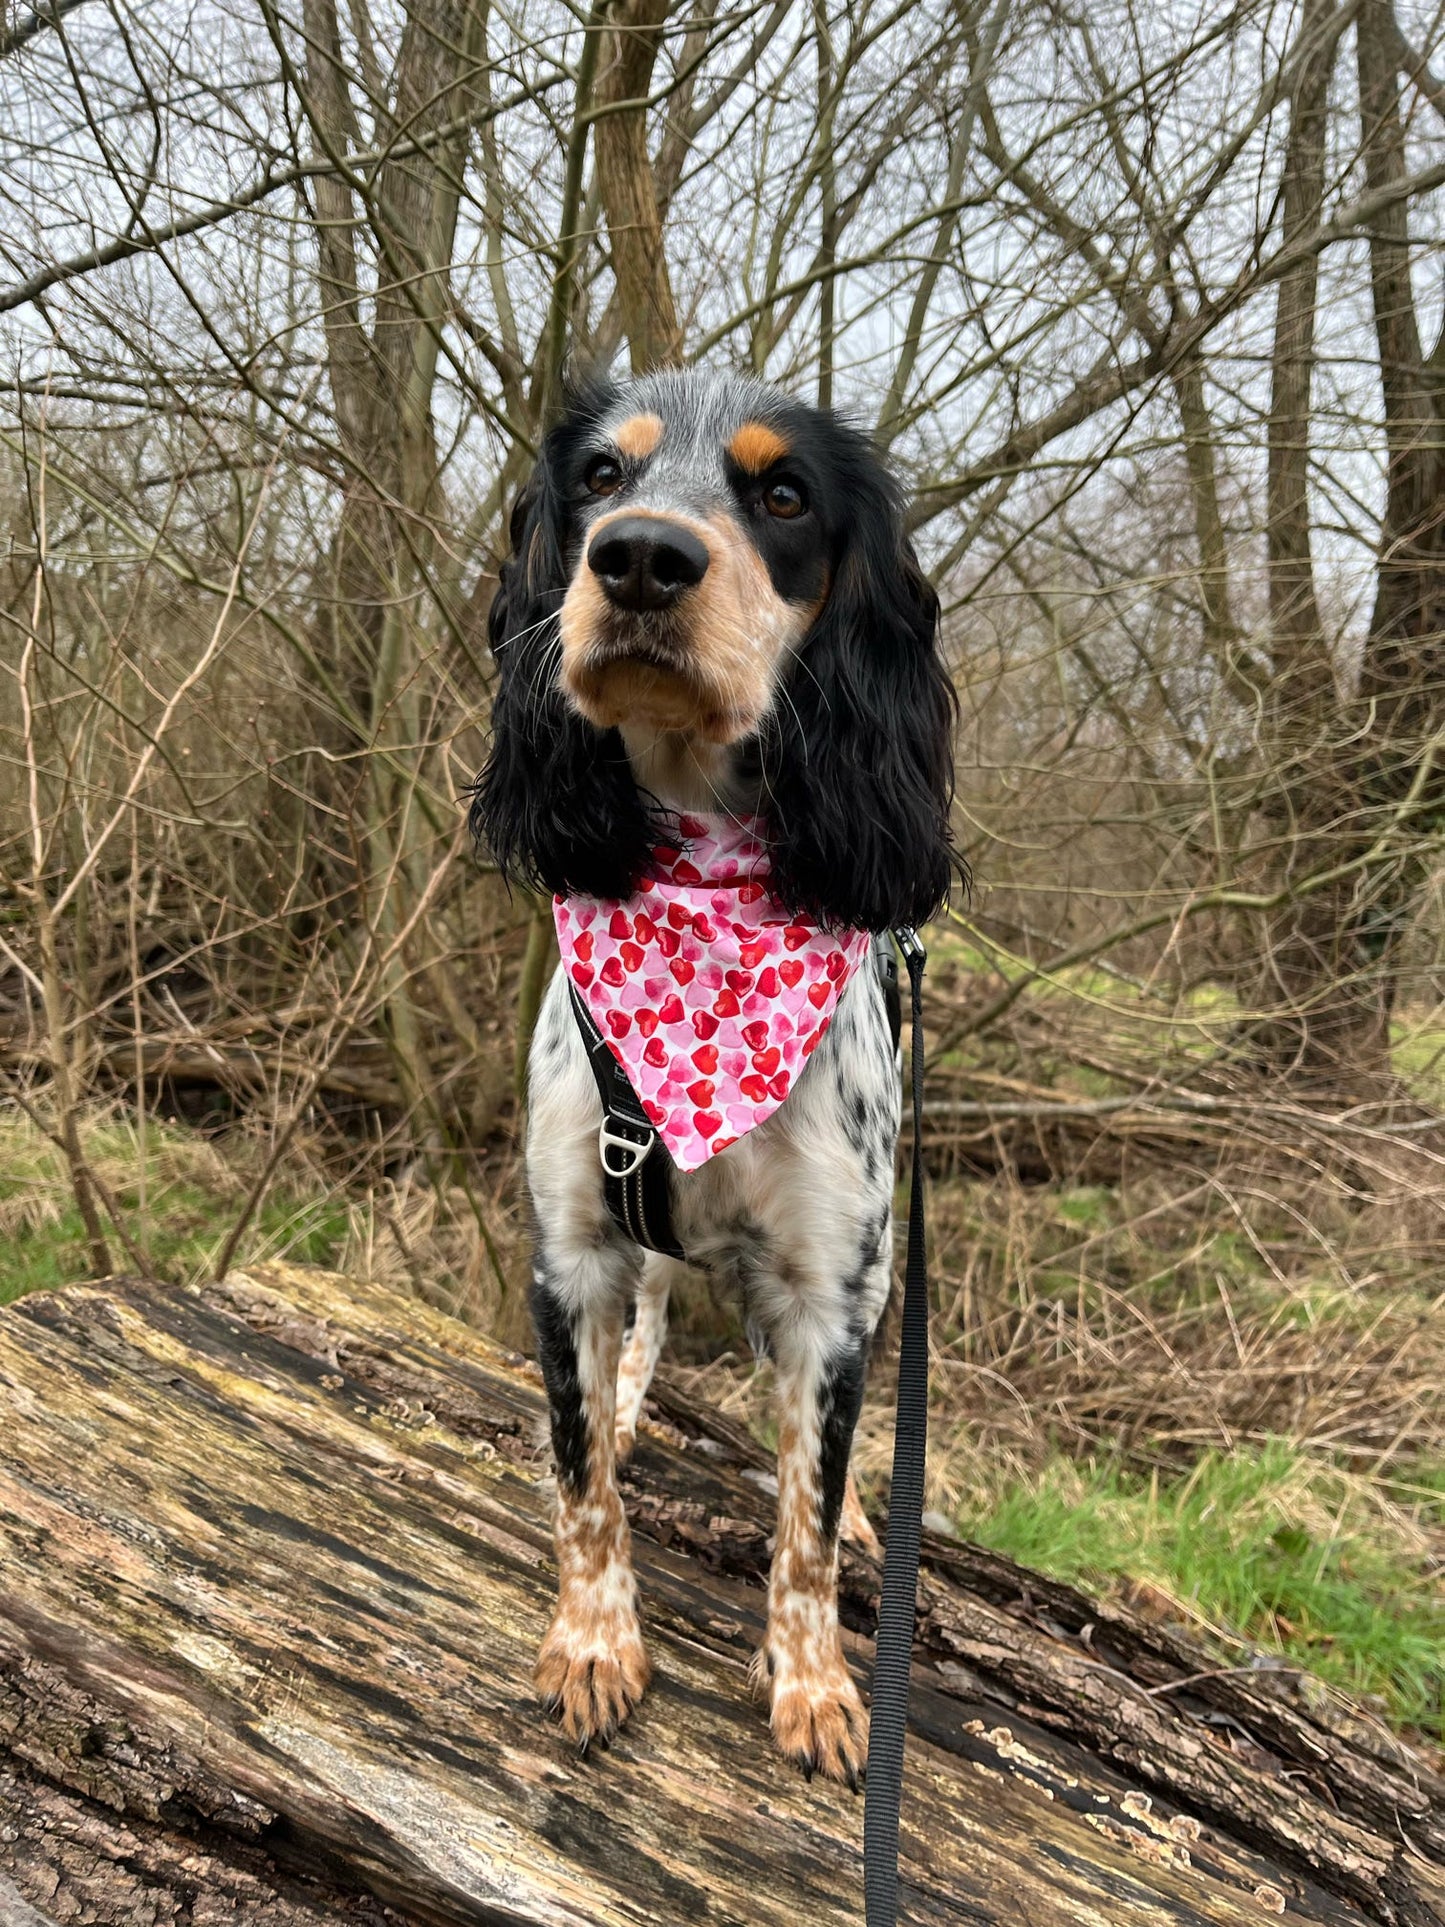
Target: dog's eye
{"points": [[784, 500], [604, 476]]}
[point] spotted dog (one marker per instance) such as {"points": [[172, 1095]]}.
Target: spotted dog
{"points": [[711, 612]]}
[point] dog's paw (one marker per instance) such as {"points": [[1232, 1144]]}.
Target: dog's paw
{"points": [[591, 1672], [818, 1720], [625, 1437]]}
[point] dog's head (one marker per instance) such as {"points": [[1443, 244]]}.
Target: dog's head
{"points": [[699, 555]]}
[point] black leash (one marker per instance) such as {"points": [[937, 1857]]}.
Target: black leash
{"points": [[893, 1654]]}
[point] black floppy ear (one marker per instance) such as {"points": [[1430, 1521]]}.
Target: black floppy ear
{"points": [[556, 802], [858, 751]]}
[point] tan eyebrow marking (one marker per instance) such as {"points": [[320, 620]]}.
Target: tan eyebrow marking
{"points": [[756, 447], [639, 436]]}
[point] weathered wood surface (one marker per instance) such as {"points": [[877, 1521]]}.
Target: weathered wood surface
{"points": [[274, 1560]]}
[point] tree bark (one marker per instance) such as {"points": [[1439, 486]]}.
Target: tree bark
{"points": [[274, 1562], [628, 190], [1354, 782]]}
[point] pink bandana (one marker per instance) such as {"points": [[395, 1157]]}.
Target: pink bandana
{"points": [[709, 995]]}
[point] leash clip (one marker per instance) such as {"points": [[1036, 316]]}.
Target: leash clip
{"points": [[635, 1151], [910, 943]]}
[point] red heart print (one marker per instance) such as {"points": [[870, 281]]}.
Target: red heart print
{"points": [[647, 1022], [643, 928], [704, 1023], [618, 1022], [679, 916], [791, 971], [708, 1123], [664, 855], [702, 929], [671, 1011], [778, 1086], [668, 941], [754, 1088], [631, 955], [755, 1036], [752, 954], [768, 983], [810, 1044], [796, 935], [741, 981], [685, 872], [582, 945], [751, 893], [701, 1092], [655, 1111], [656, 1053], [691, 827], [621, 925], [683, 970], [582, 975], [706, 1058], [725, 1004], [767, 1061], [819, 993], [836, 964], [613, 973]]}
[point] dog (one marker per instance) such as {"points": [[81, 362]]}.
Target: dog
{"points": [[718, 665]]}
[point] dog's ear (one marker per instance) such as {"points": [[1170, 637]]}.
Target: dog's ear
{"points": [[858, 749], [556, 802]]}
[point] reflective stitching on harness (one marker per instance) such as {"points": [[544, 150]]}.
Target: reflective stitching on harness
{"points": [[646, 1229]]}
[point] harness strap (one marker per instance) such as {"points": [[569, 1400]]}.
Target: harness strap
{"points": [[888, 1714], [636, 1168]]}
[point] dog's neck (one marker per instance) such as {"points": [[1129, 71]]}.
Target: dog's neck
{"points": [[686, 772]]}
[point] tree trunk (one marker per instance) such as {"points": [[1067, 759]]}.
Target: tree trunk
{"points": [[1354, 783], [274, 1562], [378, 591], [629, 193]]}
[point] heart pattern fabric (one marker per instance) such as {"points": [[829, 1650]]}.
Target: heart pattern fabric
{"points": [[709, 994]]}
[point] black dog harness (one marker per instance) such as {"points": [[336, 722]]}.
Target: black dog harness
{"points": [[637, 1175], [636, 1168]]}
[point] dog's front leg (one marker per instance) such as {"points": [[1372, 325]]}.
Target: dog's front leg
{"points": [[592, 1668], [644, 1345], [817, 1717]]}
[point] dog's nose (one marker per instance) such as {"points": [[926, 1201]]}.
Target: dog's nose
{"points": [[644, 562]]}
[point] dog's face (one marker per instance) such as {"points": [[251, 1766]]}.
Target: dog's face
{"points": [[697, 553], [699, 542]]}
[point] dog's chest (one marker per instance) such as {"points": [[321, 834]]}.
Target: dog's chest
{"points": [[805, 1196]]}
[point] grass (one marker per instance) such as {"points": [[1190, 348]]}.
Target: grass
{"points": [[178, 1191], [1299, 1558], [1167, 1025], [177, 1203]]}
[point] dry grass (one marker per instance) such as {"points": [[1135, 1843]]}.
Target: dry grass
{"points": [[177, 1191]]}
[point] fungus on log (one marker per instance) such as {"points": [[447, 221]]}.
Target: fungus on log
{"points": [[274, 1562]]}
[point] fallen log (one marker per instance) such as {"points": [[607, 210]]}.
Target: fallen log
{"points": [[274, 1560]]}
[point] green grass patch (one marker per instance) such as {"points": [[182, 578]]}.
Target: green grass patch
{"points": [[177, 1201], [1417, 1050], [1297, 1558]]}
